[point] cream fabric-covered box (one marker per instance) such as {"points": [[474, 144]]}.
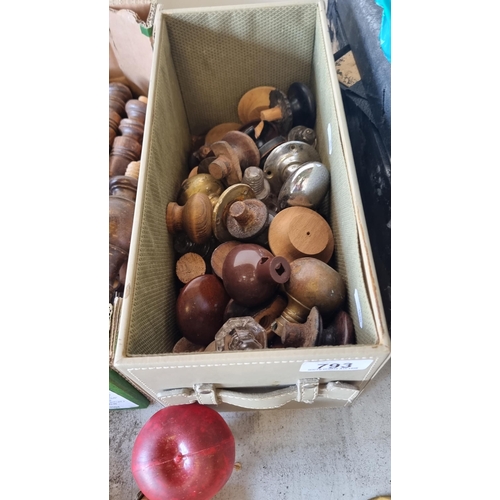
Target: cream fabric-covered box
{"points": [[204, 60]]}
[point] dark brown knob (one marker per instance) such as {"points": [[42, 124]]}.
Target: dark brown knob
{"points": [[200, 309], [251, 274], [339, 332]]}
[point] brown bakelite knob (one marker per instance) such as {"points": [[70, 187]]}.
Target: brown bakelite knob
{"points": [[312, 283], [194, 218], [251, 274], [200, 309], [301, 232]]}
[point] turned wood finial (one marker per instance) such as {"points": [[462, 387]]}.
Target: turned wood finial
{"points": [[136, 110], [194, 218], [123, 150]]}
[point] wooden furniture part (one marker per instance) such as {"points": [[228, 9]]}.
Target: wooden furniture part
{"points": [[136, 109], [190, 266], [114, 122], [121, 90], [253, 102], [251, 274], [234, 153], [122, 190], [123, 151], [200, 309], [300, 232], [306, 187], [312, 283], [194, 218], [219, 131], [117, 104], [131, 128]]}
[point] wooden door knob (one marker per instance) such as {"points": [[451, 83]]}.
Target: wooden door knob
{"points": [[194, 218], [253, 102], [297, 232], [219, 131]]}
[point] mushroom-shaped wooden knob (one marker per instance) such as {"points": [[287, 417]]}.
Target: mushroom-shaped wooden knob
{"points": [[251, 274], [122, 191], [247, 219], [194, 218], [219, 131], [136, 109], [233, 154], [123, 151], [200, 183], [200, 309], [311, 283], [300, 232], [253, 102]]}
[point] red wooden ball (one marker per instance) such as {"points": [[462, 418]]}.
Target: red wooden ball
{"points": [[183, 452]]}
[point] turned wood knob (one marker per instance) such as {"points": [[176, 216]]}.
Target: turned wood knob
{"points": [[234, 153], [136, 109], [194, 218], [219, 131], [200, 309], [219, 255], [251, 274], [253, 102], [300, 232], [123, 151]]}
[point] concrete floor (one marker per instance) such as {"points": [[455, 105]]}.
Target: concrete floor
{"points": [[324, 453]]}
